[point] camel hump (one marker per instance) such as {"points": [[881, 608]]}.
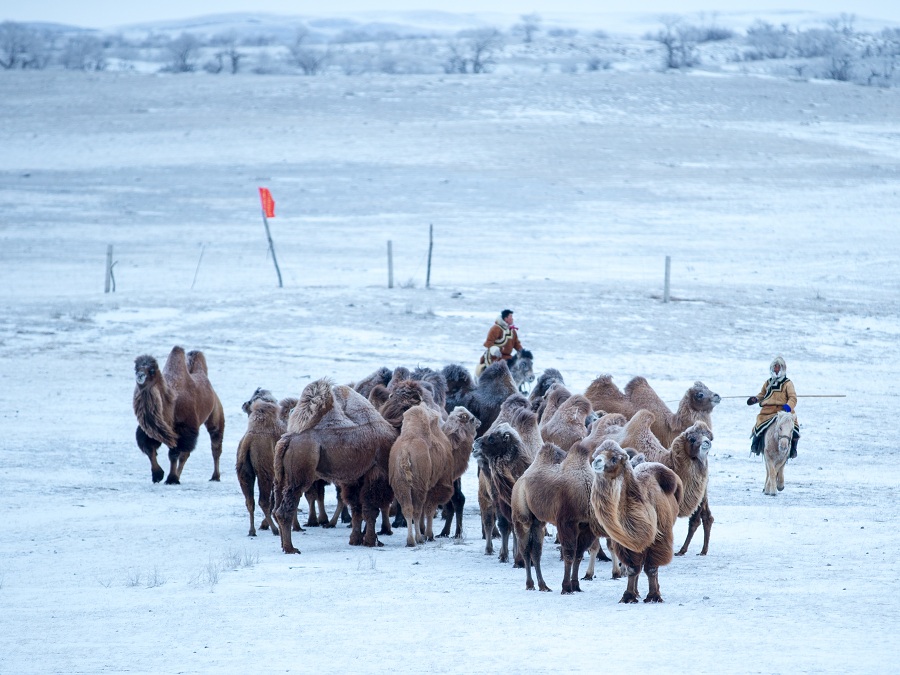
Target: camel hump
{"points": [[637, 382], [196, 362], [668, 480], [316, 401], [643, 419], [176, 363], [550, 453]]}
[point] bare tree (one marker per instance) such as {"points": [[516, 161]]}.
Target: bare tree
{"points": [[770, 42], [183, 51], [83, 52], [21, 47], [678, 40], [229, 50], [309, 59], [531, 24], [474, 52]]}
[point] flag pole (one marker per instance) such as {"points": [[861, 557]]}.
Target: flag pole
{"points": [[267, 209], [272, 248]]}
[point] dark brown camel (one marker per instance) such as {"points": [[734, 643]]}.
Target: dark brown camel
{"points": [[171, 405]]}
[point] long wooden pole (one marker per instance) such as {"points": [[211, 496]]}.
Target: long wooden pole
{"points": [[109, 254], [430, 247], [390, 265], [668, 272], [272, 248]]}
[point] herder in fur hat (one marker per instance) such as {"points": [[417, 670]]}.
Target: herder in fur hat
{"points": [[501, 340], [777, 394]]}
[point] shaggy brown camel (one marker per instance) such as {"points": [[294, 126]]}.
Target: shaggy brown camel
{"points": [[637, 507], [777, 450], [256, 457], [695, 406], [337, 435], [262, 461], [687, 456], [537, 397], [555, 489], [381, 376], [566, 426], [516, 412], [171, 405], [425, 460]]}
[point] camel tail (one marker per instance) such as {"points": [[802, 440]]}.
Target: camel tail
{"points": [[196, 362], [243, 466], [671, 484], [315, 402]]}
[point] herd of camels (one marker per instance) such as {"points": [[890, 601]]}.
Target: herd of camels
{"points": [[606, 464]]}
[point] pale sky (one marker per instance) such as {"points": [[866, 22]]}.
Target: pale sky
{"points": [[107, 13]]}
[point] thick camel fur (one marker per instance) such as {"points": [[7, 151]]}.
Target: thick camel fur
{"points": [[567, 424], [494, 386], [425, 460], [436, 382], [777, 451], [381, 376], [334, 434], [695, 406], [537, 397], [555, 489], [256, 457], [521, 367], [637, 507], [556, 396], [687, 456], [170, 405], [506, 458]]}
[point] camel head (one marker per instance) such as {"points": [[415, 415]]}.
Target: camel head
{"points": [[522, 368], [699, 439], [145, 368], [259, 394], [546, 379], [501, 443], [702, 398], [463, 419], [610, 460]]}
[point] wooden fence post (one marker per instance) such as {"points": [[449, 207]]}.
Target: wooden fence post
{"points": [[430, 247], [109, 255], [390, 266], [668, 274]]}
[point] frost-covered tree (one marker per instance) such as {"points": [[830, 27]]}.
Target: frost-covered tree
{"points": [[529, 26], [474, 52], [22, 47], [183, 52], [83, 52], [679, 41], [310, 60], [768, 41]]}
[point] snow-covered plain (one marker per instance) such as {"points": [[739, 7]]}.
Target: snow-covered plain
{"points": [[558, 196]]}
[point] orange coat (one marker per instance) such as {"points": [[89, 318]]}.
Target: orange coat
{"points": [[504, 337], [778, 395]]}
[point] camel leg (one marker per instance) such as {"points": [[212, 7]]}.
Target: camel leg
{"points": [[356, 518], [399, 518], [215, 425], [518, 562], [247, 487], [503, 524], [584, 541], [454, 508], [488, 525], [631, 594], [532, 547], [412, 535], [338, 509], [567, 535], [265, 503], [707, 517], [174, 457], [703, 514], [428, 515], [616, 566], [386, 521], [149, 447], [653, 578], [285, 512], [593, 551], [310, 495]]}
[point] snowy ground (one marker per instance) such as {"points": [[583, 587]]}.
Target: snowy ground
{"points": [[558, 196]]}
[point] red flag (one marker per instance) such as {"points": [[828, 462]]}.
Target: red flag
{"points": [[268, 204]]}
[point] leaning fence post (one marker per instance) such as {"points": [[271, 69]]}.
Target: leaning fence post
{"points": [[430, 246], [390, 266], [668, 274], [109, 255]]}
